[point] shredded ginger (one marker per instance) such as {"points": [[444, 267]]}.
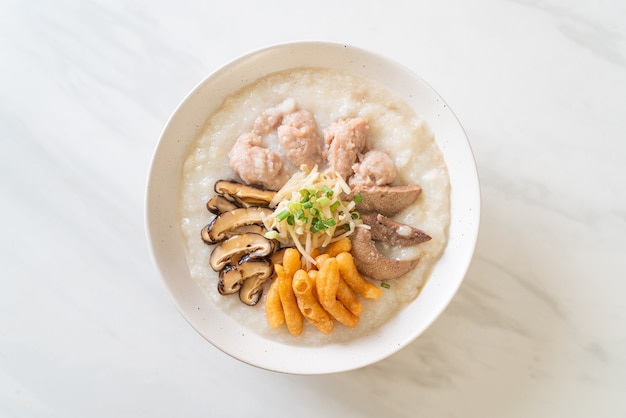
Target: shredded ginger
{"points": [[309, 212]]}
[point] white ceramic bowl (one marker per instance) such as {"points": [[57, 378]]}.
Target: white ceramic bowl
{"points": [[166, 242]]}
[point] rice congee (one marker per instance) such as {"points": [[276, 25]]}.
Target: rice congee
{"points": [[330, 96]]}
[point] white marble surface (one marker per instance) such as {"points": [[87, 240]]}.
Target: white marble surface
{"points": [[538, 328]]}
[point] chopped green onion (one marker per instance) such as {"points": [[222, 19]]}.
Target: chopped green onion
{"points": [[299, 214], [330, 222], [290, 220], [358, 198], [355, 215], [385, 285], [334, 206], [323, 201], [346, 227], [314, 211], [318, 225], [307, 205], [283, 215], [327, 191], [271, 234], [305, 195], [294, 207]]}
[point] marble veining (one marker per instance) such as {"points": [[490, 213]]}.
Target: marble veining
{"points": [[538, 327]]}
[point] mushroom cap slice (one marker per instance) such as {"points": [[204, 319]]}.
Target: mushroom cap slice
{"points": [[219, 204], [229, 280], [386, 200], [387, 230], [255, 245], [217, 230], [244, 229], [256, 273], [246, 194], [247, 275], [371, 263]]}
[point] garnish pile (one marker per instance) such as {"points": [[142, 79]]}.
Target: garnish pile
{"points": [[310, 213]]}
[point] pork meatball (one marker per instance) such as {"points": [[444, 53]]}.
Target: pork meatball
{"points": [[273, 116], [255, 164], [345, 140], [375, 168], [300, 140]]}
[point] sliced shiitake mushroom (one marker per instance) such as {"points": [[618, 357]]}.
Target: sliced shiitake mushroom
{"points": [[244, 193], [218, 229], [244, 229], [219, 204], [256, 273], [245, 276], [255, 245], [229, 280]]}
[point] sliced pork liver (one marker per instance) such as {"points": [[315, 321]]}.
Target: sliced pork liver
{"points": [[395, 233], [386, 200], [371, 263]]}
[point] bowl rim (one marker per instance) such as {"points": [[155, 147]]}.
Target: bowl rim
{"points": [[272, 355]]}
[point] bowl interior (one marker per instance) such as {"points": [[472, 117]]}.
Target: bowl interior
{"points": [[166, 242]]}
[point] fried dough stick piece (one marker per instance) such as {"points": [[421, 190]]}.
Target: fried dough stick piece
{"points": [[308, 304], [327, 283], [293, 317], [273, 306], [357, 282]]}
